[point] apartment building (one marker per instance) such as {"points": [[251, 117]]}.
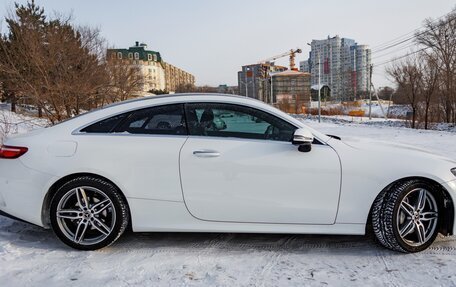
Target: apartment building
{"points": [[154, 72], [342, 65], [254, 80]]}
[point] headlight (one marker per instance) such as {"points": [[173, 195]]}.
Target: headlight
{"points": [[453, 170]]}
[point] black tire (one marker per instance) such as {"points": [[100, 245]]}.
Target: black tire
{"points": [[385, 217], [90, 203]]}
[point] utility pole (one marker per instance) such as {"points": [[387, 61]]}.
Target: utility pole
{"points": [[385, 115], [330, 66], [319, 87], [272, 97], [354, 75], [254, 86], [370, 95], [246, 88]]}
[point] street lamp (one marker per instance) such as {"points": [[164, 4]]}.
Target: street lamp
{"points": [[246, 88], [272, 90], [319, 87]]}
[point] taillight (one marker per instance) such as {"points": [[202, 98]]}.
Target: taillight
{"points": [[7, 151]]}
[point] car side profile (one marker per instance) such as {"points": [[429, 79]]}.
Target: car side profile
{"points": [[220, 163]]}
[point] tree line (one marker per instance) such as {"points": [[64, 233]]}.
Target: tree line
{"points": [[58, 67], [426, 79]]}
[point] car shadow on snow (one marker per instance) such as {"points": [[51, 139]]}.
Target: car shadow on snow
{"points": [[359, 245], [245, 241], [21, 234]]}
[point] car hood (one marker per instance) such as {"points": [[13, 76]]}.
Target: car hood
{"points": [[393, 148]]}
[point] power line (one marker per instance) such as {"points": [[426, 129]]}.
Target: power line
{"points": [[364, 68], [394, 45], [400, 43], [407, 46], [407, 36], [401, 40], [394, 51], [406, 55]]}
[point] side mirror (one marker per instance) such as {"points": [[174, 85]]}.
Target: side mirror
{"points": [[303, 138]]}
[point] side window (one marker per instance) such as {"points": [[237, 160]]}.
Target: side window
{"points": [[168, 120], [104, 126], [227, 120]]}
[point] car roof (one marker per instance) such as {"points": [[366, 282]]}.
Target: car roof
{"points": [[156, 97], [153, 97], [148, 101]]}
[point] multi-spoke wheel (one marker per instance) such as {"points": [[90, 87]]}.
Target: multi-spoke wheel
{"points": [[417, 217], [88, 213], [406, 216]]}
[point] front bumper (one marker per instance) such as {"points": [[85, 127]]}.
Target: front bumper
{"points": [[22, 191], [450, 186]]}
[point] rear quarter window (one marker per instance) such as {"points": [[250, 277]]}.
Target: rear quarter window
{"points": [[167, 119], [106, 125]]}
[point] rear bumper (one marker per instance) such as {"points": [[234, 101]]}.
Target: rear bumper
{"points": [[22, 191]]}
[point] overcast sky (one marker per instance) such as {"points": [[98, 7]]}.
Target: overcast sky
{"points": [[212, 39]]}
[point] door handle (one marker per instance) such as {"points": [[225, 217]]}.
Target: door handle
{"points": [[206, 153]]}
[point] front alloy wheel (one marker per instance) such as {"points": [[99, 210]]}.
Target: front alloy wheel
{"points": [[417, 217], [406, 217], [88, 213]]}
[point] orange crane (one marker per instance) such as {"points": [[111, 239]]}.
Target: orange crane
{"points": [[292, 54]]}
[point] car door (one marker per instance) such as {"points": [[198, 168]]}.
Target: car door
{"points": [[238, 165], [140, 149]]}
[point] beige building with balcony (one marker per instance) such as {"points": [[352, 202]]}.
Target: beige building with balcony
{"points": [[155, 73]]}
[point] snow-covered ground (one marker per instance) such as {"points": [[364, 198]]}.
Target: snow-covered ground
{"points": [[31, 256], [12, 123], [377, 110]]}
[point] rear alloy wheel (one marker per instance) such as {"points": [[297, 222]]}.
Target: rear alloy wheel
{"points": [[406, 217], [88, 213]]}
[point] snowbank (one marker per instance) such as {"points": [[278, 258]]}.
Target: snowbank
{"points": [[13, 123]]}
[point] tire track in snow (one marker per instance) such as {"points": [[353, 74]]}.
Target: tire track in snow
{"points": [[392, 279], [273, 256]]}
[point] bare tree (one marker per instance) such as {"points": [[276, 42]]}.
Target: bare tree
{"points": [[440, 38], [430, 75], [75, 70], [50, 63], [125, 80], [185, 88], [408, 77], [26, 30]]}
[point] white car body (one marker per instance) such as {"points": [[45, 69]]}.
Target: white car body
{"points": [[251, 186]]}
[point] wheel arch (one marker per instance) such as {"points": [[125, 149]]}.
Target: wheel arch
{"points": [[445, 201], [55, 186]]}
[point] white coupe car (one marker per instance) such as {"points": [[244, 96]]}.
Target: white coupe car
{"points": [[219, 163]]}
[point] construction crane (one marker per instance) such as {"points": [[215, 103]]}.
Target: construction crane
{"points": [[292, 53]]}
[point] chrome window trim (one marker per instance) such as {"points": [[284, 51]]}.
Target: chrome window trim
{"points": [[131, 135], [77, 131]]}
